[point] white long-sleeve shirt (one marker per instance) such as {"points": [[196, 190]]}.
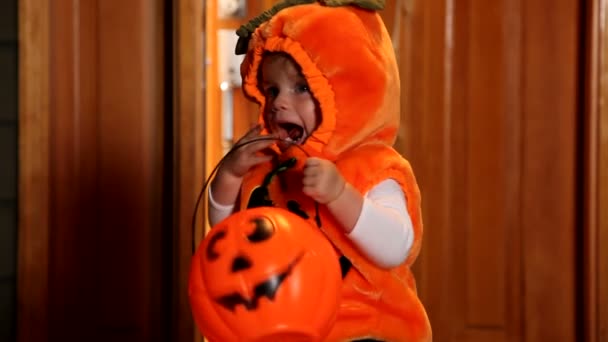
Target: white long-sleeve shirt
{"points": [[383, 231]]}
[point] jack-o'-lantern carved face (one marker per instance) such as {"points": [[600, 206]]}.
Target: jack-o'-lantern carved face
{"points": [[265, 274]]}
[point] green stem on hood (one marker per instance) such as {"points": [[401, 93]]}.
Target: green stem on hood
{"points": [[244, 32]]}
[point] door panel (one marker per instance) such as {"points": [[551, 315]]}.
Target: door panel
{"points": [[489, 105], [106, 166], [101, 243]]}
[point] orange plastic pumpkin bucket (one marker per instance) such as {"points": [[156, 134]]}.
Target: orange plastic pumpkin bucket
{"points": [[265, 274]]}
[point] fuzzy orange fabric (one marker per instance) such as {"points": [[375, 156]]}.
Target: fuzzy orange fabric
{"points": [[347, 57]]}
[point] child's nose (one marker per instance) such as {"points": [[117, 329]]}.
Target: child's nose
{"points": [[281, 102]]}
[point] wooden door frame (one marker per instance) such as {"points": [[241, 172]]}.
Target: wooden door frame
{"points": [[595, 174], [34, 181], [189, 150], [34, 171]]}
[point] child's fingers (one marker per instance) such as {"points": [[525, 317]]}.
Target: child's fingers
{"points": [[250, 134], [309, 191], [254, 144], [310, 180], [256, 129], [263, 143], [258, 159], [313, 161], [312, 166], [310, 170]]}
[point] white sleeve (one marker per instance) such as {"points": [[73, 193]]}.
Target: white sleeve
{"points": [[217, 212], [384, 231]]}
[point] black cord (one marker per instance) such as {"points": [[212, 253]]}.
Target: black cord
{"points": [[216, 168]]}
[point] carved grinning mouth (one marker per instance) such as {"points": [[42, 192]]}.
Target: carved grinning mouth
{"points": [[267, 288]]}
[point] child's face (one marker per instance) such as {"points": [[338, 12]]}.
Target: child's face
{"points": [[290, 110]]}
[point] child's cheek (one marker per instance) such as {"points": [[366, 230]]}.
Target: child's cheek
{"points": [[267, 121]]}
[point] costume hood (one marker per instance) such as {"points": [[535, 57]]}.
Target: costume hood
{"points": [[345, 54]]}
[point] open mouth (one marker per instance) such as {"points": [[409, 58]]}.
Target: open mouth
{"points": [[294, 133]]}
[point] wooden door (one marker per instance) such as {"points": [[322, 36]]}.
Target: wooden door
{"points": [[94, 257], [490, 113]]}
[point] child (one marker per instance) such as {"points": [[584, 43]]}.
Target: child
{"points": [[328, 85]]}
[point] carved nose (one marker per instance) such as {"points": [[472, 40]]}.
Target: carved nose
{"points": [[240, 263]]}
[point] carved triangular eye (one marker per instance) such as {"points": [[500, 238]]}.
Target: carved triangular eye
{"points": [[240, 263], [263, 230], [211, 253]]}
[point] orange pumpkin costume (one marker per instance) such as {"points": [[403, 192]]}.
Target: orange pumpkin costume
{"points": [[347, 58]]}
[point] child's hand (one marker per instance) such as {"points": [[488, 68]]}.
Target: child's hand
{"points": [[322, 181], [238, 163]]}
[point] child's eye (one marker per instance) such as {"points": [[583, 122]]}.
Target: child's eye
{"points": [[271, 92], [303, 88]]}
